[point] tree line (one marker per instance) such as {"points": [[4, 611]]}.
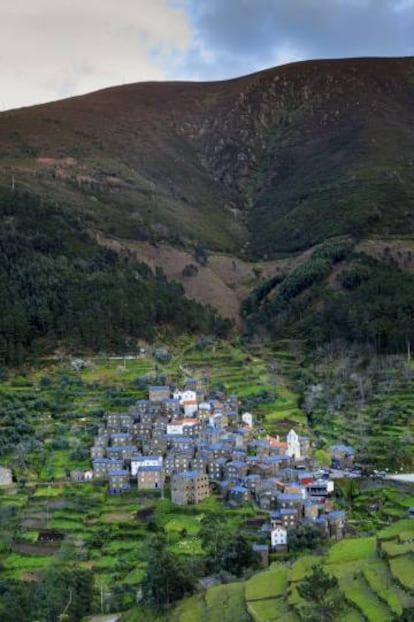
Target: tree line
{"points": [[58, 286]]}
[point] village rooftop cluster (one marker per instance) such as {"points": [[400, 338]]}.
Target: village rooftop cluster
{"points": [[197, 444]]}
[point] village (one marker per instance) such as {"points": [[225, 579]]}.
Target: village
{"points": [[195, 444]]}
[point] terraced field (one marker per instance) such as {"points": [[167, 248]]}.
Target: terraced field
{"points": [[374, 588]]}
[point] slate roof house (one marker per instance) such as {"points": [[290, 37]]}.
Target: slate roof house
{"points": [[189, 487]]}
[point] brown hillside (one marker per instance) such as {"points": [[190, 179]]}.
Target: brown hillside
{"points": [[271, 162]]}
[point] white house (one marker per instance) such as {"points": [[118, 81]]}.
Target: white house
{"points": [[184, 396], [187, 399], [293, 445], [278, 537], [138, 462], [247, 418]]}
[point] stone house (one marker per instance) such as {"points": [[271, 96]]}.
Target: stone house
{"points": [[342, 456], [216, 469], [172, 408], [336, 524], [177, 462], [199, 463], [156, 446], [150, 478], [77, 475], [102, 466], [311, 509], [189, 487], [267, 499], [289, 517], [140, 462], [141, 406], [235, 470], [252, 482], [6, 476], [291, 501], [122, 452], [119, 439], [177, 442], [142, 430], [97, 451], [118, 481], [239, 495], [276, 462], [158, 393]]}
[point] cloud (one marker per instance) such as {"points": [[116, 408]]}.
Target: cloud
{"points": [[55, 48], [51, 49], [235, 37]]}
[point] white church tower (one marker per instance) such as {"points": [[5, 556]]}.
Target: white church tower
{"points": [[293, 445]]}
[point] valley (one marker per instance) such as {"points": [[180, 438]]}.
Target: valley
{"points": [[58, 407], [256, 233]]}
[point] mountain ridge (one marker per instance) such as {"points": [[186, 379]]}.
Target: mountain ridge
{"points": [[249, 166]]}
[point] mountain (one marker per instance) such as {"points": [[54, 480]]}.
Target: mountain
{"points": [[261, 190], [272, 162]]}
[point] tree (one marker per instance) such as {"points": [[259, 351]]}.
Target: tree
{"points": [[168, 578], [211, 535], [304, 537], [236, 554], [319, 591]]}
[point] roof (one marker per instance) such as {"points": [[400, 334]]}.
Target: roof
{"points": [[290, 496], [159, 388], [188, 474], [240, 489], [150, 468], [336, 514], [143, 458], [118, 472], [342, 448], [238, 464], [287, 512]]}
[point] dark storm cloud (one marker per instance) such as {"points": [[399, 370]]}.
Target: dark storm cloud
{"points": [[232, 37]]}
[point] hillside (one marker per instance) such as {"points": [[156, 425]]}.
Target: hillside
{"points": [[268, 163], [233, 189], [374, 583]]}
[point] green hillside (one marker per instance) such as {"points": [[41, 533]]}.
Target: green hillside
{"points": [[373, 585], [59, 288]]}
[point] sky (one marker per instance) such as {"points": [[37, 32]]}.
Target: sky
{"points": [[51, 49]]}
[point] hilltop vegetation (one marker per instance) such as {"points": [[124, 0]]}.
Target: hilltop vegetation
{"points": [[337, 294], [58, 287], [312, 155], [272, 162]]}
